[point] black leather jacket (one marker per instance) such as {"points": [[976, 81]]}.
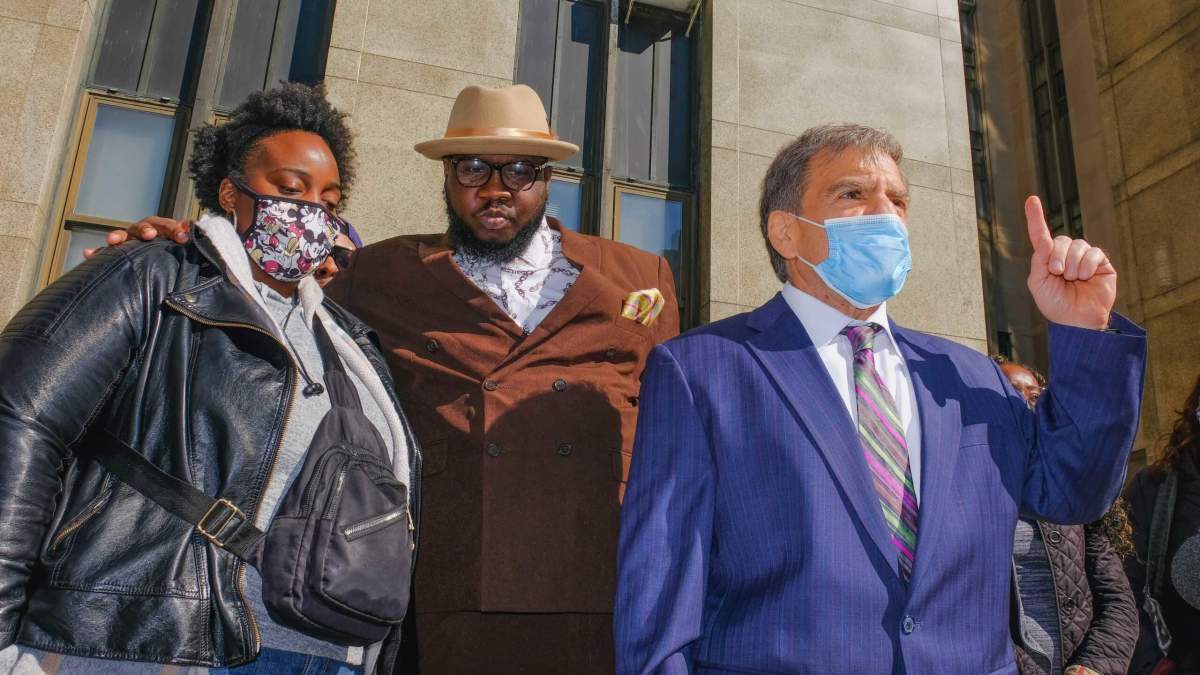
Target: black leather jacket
{"points": [[151, 342]]}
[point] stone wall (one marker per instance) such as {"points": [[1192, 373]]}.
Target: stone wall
{"points": [[46, 44]]}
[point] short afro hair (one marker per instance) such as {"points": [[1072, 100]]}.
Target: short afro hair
{"points": [[221, 151]]}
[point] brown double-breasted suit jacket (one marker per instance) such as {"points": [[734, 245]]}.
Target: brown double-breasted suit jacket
{"points": [[526, 438]]}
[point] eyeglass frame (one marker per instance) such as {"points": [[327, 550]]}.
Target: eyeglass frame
{"points": [[496, 168]]}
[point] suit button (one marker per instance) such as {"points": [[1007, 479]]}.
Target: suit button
{"points": [[908, 625], [491, 385], [493, 449], [432, 346], [610, 353], [1055, 537], [1069, 605], [560, 385], [564, 449]]}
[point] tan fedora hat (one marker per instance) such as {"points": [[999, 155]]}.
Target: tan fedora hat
{"points": [[502, 121]]}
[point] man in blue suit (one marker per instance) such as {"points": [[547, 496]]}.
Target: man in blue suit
{"points": [[815, 489]]}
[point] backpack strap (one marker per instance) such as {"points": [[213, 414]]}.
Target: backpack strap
{"points": [[218, 520], [1156, 558]]}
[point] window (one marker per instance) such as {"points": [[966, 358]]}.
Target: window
{"points": [[979, 164], [641, 189], [145, 89], [1056, 160], [1004, 344]]}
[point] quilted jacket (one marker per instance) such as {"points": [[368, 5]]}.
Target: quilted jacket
{"points": [[1098, 621]]}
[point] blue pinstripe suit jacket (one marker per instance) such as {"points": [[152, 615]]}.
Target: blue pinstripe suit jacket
{"points": [[752, 540]]}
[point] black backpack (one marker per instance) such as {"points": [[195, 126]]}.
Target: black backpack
{"points": [[336, 561]]}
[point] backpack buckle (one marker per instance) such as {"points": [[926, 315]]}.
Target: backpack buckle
{"points": [[217, 521]]}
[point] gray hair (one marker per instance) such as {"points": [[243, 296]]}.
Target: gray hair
{"points": [[783, 186]]}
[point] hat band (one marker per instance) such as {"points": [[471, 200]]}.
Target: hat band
{"points": [[499, 131]]}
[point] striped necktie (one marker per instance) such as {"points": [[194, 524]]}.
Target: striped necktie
{"points": [[884, 446]]}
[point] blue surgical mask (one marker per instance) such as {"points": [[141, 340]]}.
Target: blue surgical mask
{"points": [[868, 258]]}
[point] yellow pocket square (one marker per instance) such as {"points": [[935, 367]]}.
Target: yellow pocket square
{"points": [[643, 306]]}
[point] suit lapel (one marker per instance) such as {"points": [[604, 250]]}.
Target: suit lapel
{"points": [[790, 358], [584, 254], [439, 262], [937, 387]]}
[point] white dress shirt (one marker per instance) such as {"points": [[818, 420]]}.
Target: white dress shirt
{"points": [[528, 286], [824, 326]]}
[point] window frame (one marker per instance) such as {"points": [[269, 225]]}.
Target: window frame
{"points": [[601, 185], [65, 216], [1045, 72], [687, 234], [586, 185]]}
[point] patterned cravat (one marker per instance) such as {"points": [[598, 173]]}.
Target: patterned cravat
{"points": [[884, 446]]}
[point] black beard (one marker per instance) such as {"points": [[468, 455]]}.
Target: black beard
{"points": [[464, 240]]}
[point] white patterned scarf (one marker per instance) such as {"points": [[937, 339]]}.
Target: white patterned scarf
{"points": [[529, 286]]}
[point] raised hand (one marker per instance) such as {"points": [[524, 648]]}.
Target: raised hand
{"points": [[146, 229], [1072, 282]]}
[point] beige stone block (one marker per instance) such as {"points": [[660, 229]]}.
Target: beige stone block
{"points": [[35, 77], [725, 75], [943, 293], [1173, 339], [762, 142], [1113, 161], [955, 88], [342, 93], [724, 241], [892, 14], [724, 135], [1130, 25], [830, 67], [1177, 160], [948, 9], [923, 6], [20, 219], [342, 63], [925, 174], [963, 182], [349, 24], [467, 35], [973, 343], [949, 31], [715, 311], [61, 13], [756, 281], [398, 191], [19, 259], [421, 78], [1157, 103], [1166, 247]]}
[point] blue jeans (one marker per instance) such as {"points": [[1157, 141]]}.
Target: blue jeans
{"points": [[277, 662]]}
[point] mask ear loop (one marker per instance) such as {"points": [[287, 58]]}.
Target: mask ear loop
{"points": [[810, 222]]}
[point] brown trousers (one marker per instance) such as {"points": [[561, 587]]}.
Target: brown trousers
{"points": [[464, 643]]}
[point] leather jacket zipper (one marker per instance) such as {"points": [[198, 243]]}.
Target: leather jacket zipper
{"points": [[82, 518], [290, 386]]}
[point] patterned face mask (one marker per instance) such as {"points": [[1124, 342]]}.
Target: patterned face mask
{"points": [[289, 238]]}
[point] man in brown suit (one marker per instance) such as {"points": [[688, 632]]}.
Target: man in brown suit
{"points": [[517, 347], [526, 425]]}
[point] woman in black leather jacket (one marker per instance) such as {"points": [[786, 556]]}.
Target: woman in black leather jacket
{"points": [[201, 358]]}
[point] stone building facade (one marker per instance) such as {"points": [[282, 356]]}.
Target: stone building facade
{"points": [[1129, 73], [748, 76]]}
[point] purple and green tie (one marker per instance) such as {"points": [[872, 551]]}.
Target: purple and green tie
{"points": [[884, 446]]}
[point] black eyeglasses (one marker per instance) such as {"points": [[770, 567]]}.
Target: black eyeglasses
{"points": [[343, 257], [517, 176]]}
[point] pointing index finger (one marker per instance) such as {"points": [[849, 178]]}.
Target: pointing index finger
{"points": [[1039, 231]]}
